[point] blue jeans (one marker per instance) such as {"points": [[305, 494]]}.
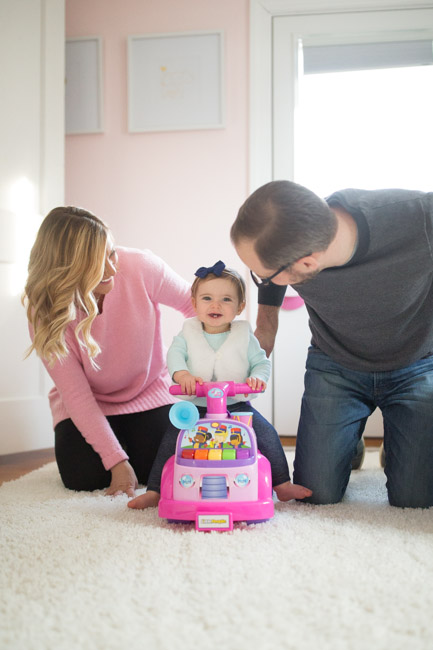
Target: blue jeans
{"points": [[335, 407]]}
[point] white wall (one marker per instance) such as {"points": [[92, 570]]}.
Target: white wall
{"points": [[31, 181]]}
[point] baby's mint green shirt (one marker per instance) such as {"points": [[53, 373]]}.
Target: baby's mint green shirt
{"points": [[177, 359]]}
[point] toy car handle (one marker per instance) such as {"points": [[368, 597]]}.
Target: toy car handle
{"points": [[201, 390]]}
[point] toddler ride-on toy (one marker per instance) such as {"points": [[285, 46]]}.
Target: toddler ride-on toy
{"points": [[217, 475]]}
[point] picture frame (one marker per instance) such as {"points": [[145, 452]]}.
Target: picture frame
{"points": [[83, 86], [175, 81]]}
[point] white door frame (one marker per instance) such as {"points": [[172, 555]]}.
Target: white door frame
{"points": [[266, 160]]}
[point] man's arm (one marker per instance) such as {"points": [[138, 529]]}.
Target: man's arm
{"points": [[270, 298], [267, 327]]}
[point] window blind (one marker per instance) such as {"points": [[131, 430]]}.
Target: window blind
{"points": [[366, 56]]}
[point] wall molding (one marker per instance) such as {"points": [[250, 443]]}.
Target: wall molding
{"points": [[300, 7]]}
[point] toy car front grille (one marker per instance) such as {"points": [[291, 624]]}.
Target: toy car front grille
{"points": [[214, 487]]}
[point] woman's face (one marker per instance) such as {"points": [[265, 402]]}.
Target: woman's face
{"points": [[110, 270]]}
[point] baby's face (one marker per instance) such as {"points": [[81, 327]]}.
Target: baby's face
{"points": [[217, 304]]}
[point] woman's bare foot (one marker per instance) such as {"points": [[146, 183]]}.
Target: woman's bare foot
{"points": [[149, 499], [288, 490]]}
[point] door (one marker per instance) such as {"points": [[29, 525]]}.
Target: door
{"points": [[31, 183], [352, 100]]}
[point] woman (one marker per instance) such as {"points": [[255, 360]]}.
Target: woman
{"points": [[95, 321]]}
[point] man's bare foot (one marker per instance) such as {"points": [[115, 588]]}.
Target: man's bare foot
{"points": [[149, 499], [288, 490]]}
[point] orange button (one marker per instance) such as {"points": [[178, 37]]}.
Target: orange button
{"points": [[201, 454]]}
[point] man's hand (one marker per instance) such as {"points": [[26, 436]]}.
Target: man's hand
{"points": [[267, 327], [123, 480], [186, 381]]}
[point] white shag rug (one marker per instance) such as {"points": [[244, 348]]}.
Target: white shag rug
{"points": [[81, 571]]}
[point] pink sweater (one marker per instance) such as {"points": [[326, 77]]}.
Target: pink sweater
{"points": [[133, 376]]}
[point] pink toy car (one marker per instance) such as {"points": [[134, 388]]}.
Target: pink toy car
{"points": [[217, 475]]}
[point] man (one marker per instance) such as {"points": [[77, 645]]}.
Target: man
{"points": [[363, 263]]}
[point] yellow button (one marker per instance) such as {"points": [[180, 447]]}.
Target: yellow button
{"points": [[215, 454]]}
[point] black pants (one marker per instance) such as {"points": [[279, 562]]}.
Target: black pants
{"points": [[139, 434]]}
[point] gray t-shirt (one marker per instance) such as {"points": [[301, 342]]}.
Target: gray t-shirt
{"points": [[375, 312]]}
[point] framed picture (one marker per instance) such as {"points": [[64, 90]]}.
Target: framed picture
{"points": [[175, 81], [83, 92]]}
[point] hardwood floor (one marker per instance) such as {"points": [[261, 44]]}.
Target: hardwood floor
{"points": [[12, 466]]}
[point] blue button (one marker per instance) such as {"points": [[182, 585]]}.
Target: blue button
{"points": [[186, 481], [242, 480]]}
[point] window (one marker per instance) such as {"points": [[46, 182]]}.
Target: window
{"points": [[352, 99], [364, 116]]}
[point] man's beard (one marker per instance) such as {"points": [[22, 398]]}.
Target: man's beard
{"points": [[303, 278]]}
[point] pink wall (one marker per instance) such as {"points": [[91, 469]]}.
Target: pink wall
{"points": [[174, 192]]}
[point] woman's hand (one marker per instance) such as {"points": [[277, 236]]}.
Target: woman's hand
{"points": [[186, 381], [123, 480]]}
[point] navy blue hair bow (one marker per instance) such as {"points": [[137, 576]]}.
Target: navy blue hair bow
{"points": [[216, 269]]}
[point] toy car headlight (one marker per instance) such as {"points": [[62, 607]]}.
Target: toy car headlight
{"points": [[242, 480], [186, 480]]}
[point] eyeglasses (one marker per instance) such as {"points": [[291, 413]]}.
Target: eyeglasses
{"points": [[263, 282]]}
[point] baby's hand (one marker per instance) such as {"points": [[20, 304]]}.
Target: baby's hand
{"points": [[186, 381], [255, 384]]}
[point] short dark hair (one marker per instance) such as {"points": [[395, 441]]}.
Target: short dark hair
{"points": [[286, 221]]}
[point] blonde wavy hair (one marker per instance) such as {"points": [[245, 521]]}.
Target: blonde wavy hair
{"points": [[66, 263]]}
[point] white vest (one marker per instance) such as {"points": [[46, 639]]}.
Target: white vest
{"points": [[228, 363]]}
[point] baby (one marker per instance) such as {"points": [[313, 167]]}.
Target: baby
{"points": [[214, 346]]}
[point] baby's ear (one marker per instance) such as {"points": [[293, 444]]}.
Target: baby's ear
{"points": [[241, 308]]}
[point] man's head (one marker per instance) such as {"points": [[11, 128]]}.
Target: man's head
{"points": [[282, 227]]}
